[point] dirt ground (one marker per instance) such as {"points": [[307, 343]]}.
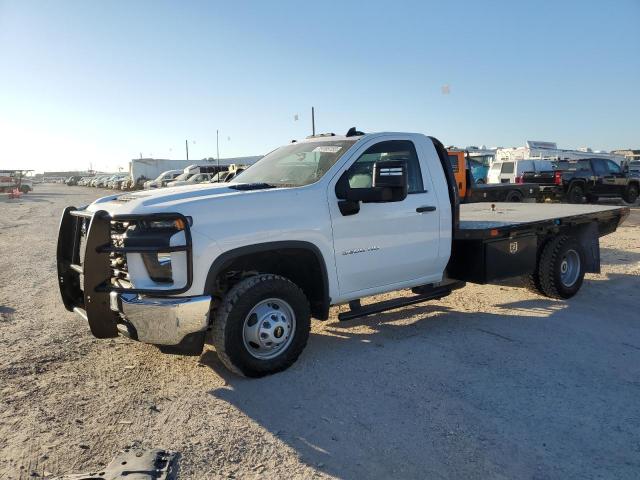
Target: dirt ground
{"points": [[491, 382]]}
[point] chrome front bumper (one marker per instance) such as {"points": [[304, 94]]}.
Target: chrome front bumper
{"points": [[161, 321]]}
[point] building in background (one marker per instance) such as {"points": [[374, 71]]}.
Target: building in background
{"points": [[631, 155]]}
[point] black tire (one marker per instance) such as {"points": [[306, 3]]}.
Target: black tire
{"points": [[228, 326], [550, 267], [25, 189], [575, 194], [532, 283], [514, 196], [631, 195]]}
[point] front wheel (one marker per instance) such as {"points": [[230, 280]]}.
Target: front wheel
{"points": [[25, 189], [262, 325], [631, 195]]}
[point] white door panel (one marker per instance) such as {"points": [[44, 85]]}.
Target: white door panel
{"points": [[386, 243]]}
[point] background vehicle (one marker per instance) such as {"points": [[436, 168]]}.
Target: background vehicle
{"points": [[192, 170], [115, 181], [472, 192], [324, 221], [550, 151], [199, 178], [589, 179], [480, 159], [71, 181], [510, 171], [11, 180], [162, 179], [152, 167]]}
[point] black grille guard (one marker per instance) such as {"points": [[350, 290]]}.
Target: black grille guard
{"points": [[86, 291]]}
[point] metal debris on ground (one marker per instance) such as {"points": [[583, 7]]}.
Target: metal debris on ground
{"points": [[135, 464]]}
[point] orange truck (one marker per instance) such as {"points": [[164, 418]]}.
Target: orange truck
{"points": [[472, 192]]}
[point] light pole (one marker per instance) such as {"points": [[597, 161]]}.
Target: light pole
{"points": [[186, 146], [218, 149]]}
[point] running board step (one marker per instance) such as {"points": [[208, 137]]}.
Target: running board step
{"points": [[424, 294]]}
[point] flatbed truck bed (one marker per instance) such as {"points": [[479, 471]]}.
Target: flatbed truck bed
{"points": [[477, 220], [503, 240]]}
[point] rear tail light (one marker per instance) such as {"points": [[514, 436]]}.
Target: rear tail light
{"points": [[557, 178], [519, 179]]}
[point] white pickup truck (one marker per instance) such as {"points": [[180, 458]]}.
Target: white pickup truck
{"points": [[323, 221]]}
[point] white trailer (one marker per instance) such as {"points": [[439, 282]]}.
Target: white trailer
{"points": [[549, 151]]}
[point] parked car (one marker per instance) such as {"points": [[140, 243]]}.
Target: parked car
{"points": [[192, 180], [510, 171], [325, 221], [162, 179], [589, 179], [72, 181]]}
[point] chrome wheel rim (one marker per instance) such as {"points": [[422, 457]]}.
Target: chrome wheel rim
{"points": [[570, 268], [269, 328]]}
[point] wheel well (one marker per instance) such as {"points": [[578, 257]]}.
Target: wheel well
{"points": [[302, 265]]}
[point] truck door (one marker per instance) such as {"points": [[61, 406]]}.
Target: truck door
{"points": [[386, 243], [616, 181], [604, 182]]}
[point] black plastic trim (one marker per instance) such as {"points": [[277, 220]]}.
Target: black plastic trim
{"points": [[228, 257]]}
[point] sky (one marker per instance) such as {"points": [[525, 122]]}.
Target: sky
{"points": [[98, 83]]}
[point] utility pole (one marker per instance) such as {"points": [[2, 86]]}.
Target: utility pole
{"points": [[313, 121], [218, 149], [186, 146]]}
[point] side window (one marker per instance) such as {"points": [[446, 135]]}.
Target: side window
{"points": [[361, 172], [599, 167], [613, 167], [453, 159], [507, 167]]}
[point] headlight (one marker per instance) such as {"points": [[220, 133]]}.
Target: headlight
{"points": [[177, 224], [158, 266]]}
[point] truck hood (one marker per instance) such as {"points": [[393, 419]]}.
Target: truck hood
{"points": [[163, 199], [182, 199]]}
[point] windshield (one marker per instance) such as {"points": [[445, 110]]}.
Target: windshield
{"points": [[296, 164], [162, 176], [183, 176]]}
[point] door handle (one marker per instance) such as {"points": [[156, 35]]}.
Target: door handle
{"points": [[426, 208]]}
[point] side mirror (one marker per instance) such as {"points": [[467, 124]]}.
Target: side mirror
{"points": [[389, 184], [391, 177]]}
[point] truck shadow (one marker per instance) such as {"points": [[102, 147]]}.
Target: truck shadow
{"points": [[614, 256], [428, 391]]}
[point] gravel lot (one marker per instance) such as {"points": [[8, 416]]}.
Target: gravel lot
{"points": [[491, 382]]}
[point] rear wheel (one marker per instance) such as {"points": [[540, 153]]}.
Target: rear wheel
{"points": [[25, 189], [262, 325], [576, 194], [631, 195], [561, 267]]}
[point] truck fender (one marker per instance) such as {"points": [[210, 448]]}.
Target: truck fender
{"points": [[319, 305]]}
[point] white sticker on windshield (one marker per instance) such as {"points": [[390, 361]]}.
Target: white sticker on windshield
{"points": [[328, 149]]}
